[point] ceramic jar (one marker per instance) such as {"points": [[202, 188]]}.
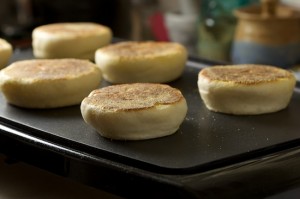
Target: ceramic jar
{"points": [[267, 34]]}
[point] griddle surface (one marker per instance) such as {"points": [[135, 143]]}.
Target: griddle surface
{"points": [[205, 139]]}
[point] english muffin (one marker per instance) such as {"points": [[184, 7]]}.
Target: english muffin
{"points": [[134, 111], [69, 40], [48, 83], [149, 61], [246, 89], [5, 52]]}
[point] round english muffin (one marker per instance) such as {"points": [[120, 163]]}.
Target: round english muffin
{"points": [[246, 89], [135, 111], [5, 52], [48, 83], [69, 40], [149, 61]]}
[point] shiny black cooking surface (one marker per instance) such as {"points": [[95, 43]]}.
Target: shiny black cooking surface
{"points": [[205, 139]]}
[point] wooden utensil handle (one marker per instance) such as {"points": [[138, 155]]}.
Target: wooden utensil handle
{"points": [[269, 7]]}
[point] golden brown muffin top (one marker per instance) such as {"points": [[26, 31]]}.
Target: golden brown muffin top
{"points": [[247, 74], [75, 28], [42, 69], [142, 49], [130, 97]]}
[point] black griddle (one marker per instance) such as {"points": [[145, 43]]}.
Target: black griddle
{"points": [[206, 140]]}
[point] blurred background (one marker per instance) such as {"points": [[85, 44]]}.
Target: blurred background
{"points": [[205, 27]]}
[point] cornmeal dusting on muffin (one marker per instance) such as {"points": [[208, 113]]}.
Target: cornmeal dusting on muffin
{"points": [[132, 49], [133, 96], [245, 74], [49, 68]]}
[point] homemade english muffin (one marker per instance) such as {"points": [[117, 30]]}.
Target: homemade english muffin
{"points": [[135, 111], [69, 40], [246, 89], [5, 52], [48, 83], [130, 62]]}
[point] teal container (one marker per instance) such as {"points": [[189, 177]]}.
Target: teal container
{"points": [[216, 27]]}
